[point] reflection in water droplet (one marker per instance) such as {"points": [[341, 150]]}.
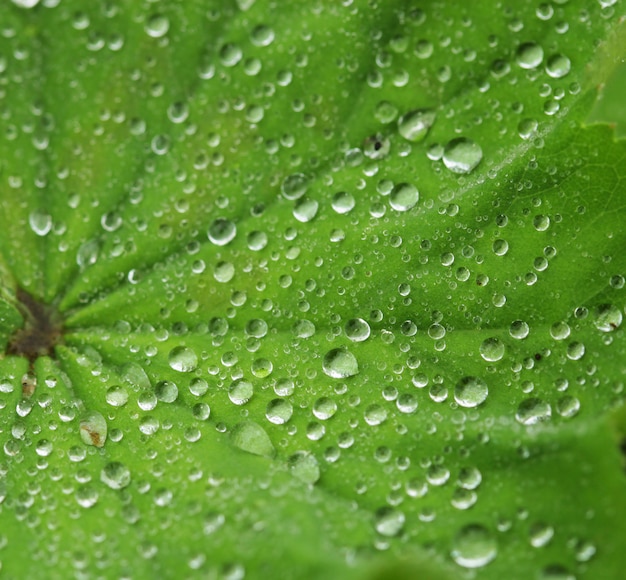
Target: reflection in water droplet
{"points": [[357, 329], [157, 26], [519, 329], [116, 475], [529, 55], [183, 359], [540, 534], [474, 546], [558, 66], [492, 349], [252, 438], [403, 197], [462, 155], [222, 231], [607, 318], [240, 392], [304, 467], [414, 125], [278, 411], [470, 392], [340, 363], [389, 521], [532, 411]]}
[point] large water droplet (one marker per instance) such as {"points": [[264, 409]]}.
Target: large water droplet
{"points": [[240, 392], [278, 411], [532, 411], [529, 55], [304, 467], [357, 329], [607, 318], [470, 392], [474, 546], [222, 231], [116, 475], [340, 363], [183, 359], [294, 186], [251, 437], [414, 125], [492, 349], [389, 521], [93, 429], [157, 26], [462, 155], [403, 197]]}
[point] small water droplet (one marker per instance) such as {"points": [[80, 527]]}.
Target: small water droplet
{"points": [[558, 66], [183, 359], [389, 521], [403, 197], [116, 475], [357, 329], [304, 467], [222, 232], [157, 26], [532, 411], [529, 55]]}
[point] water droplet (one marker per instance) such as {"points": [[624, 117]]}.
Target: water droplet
{"points": [[357, 329], [540, 534], [304, 466], [462, 155], [278, 411], [492, 349], [294, 186], [305, 210], [324, 408], [519, 329], [240, 392], [116, 475], [40, 222], [222, 231], [558, 66], [607, 318], [470, 392], [183, 359], [116, 396], [157, 26], [166, 391], [340, 363], [93, 429], [252, 438], [529, 55], [532, 411], [568, 406], [575, 350], [559, 330], [224, 272], [403, 197], [389, 521], [474, 546], [343, 202], [415, 125], [375, 415], [469, 478]]}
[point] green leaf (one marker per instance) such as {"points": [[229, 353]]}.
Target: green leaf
{"points": [[311, 290]]}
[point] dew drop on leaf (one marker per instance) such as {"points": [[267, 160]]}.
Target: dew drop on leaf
{"points": [[339, 363], [558, 66], [357, 329], [279, 411], [294, 186], [607, 318], [157, 26], [403, 197], [532, 411], [415, 125], [474, 546], [93, 429], [240, 392], [389, 521], [462, 155], [116, 396], [222, 231], [40, 222], [529, 55], [166, 391], [252, 438], [470, 392], [115, 475], [304, 466], [492, 349], [182, 359]]}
